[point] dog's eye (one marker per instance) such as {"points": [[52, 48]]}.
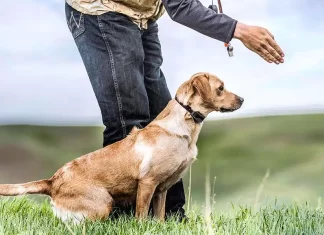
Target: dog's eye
{"points": [[221, 88]]}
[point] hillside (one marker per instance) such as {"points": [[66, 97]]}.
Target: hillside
{"points": [[237, 152]]}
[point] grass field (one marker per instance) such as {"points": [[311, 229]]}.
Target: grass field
{"points": [[23, 216], [236, 153]]}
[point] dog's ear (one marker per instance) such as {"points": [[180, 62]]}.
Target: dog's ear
{"points": [[201, 86]]}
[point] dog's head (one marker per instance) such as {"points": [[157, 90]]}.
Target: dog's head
{"points": [[205, 92]]}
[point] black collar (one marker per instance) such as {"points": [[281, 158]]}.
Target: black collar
{"points": [[197, 116]]}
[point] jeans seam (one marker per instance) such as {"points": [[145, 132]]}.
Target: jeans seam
{"points": [[78, 23], [113, 70], [80, 27]]}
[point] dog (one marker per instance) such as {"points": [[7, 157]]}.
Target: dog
{"points": [[139, 168]]}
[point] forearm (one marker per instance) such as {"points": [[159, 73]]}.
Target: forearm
{"points": [[194, 15]]}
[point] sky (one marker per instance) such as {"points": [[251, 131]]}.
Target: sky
{"points": [[43, 80]]}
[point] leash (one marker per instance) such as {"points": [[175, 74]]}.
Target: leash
{"points": [[197, 116], [228, 46]]}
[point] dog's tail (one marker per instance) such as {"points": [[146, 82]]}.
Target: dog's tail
{"points": [[36, 187]]}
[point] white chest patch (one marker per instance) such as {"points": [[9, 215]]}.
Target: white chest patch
{"points": [[145, 152]]}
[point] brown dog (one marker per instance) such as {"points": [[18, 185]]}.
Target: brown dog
{"points": [[139, 168]]}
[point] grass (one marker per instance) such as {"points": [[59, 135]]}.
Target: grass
{"points": [[249, 162], [25, 216]]}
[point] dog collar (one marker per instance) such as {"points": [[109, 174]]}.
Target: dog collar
{"points": [[197, 116]]}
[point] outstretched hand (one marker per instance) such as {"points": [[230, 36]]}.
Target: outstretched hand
{"points": [[261, 41]]}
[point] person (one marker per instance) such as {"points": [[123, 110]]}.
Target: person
{"points": [[119, 45]]}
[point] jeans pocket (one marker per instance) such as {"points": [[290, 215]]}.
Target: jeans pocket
{"points": [[74, 20]]}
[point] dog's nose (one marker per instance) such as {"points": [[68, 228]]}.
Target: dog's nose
{"points": [[241, 99]]}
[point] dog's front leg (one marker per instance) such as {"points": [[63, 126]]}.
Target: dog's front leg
{"points": [[159, 205], [145, 192]]}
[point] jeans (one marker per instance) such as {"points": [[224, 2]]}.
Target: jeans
{"points": [[123, 64]]}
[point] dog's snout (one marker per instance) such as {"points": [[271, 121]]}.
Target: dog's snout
{"points": [[240, 99]]}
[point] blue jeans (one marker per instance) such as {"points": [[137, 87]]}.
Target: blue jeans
{"points": [[123, 64]]}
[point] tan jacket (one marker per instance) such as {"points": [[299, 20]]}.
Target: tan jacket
{"points": [[140, 11]]}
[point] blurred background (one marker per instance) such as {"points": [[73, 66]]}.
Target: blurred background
{"points": [[49, 114]]}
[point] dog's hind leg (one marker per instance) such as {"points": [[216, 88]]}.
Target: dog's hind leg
{"points": [[101, 214], [98, 212], [96, 205]]}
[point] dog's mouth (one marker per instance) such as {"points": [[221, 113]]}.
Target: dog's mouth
{"points": [[227, 110]]}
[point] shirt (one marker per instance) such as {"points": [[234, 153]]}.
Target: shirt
{"points": [[190, 13]]}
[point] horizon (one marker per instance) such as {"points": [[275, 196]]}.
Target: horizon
{"points": [[44, 80], [92, 123]]}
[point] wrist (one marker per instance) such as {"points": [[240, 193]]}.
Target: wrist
{"points": [[240, 31]]}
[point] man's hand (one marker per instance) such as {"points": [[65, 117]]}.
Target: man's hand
{"points": [[261, 41]]}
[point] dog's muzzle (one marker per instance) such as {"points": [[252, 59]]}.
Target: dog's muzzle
{"points": [[236, 107]]}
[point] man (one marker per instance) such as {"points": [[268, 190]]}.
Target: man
{"points": [[118, 42]]}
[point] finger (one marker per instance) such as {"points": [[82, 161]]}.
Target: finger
{"points": [[274, 45], [266, 55], [266, 59], [273, 53], [269, 56]]}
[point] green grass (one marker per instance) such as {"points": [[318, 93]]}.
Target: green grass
{"points": [[237, 153], [24, 216]]}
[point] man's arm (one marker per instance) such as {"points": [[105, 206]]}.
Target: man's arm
{"points": [[194, 15]]}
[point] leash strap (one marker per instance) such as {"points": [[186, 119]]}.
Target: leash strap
{"points": [[220, 7], [228, 46], [197, 116]]}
